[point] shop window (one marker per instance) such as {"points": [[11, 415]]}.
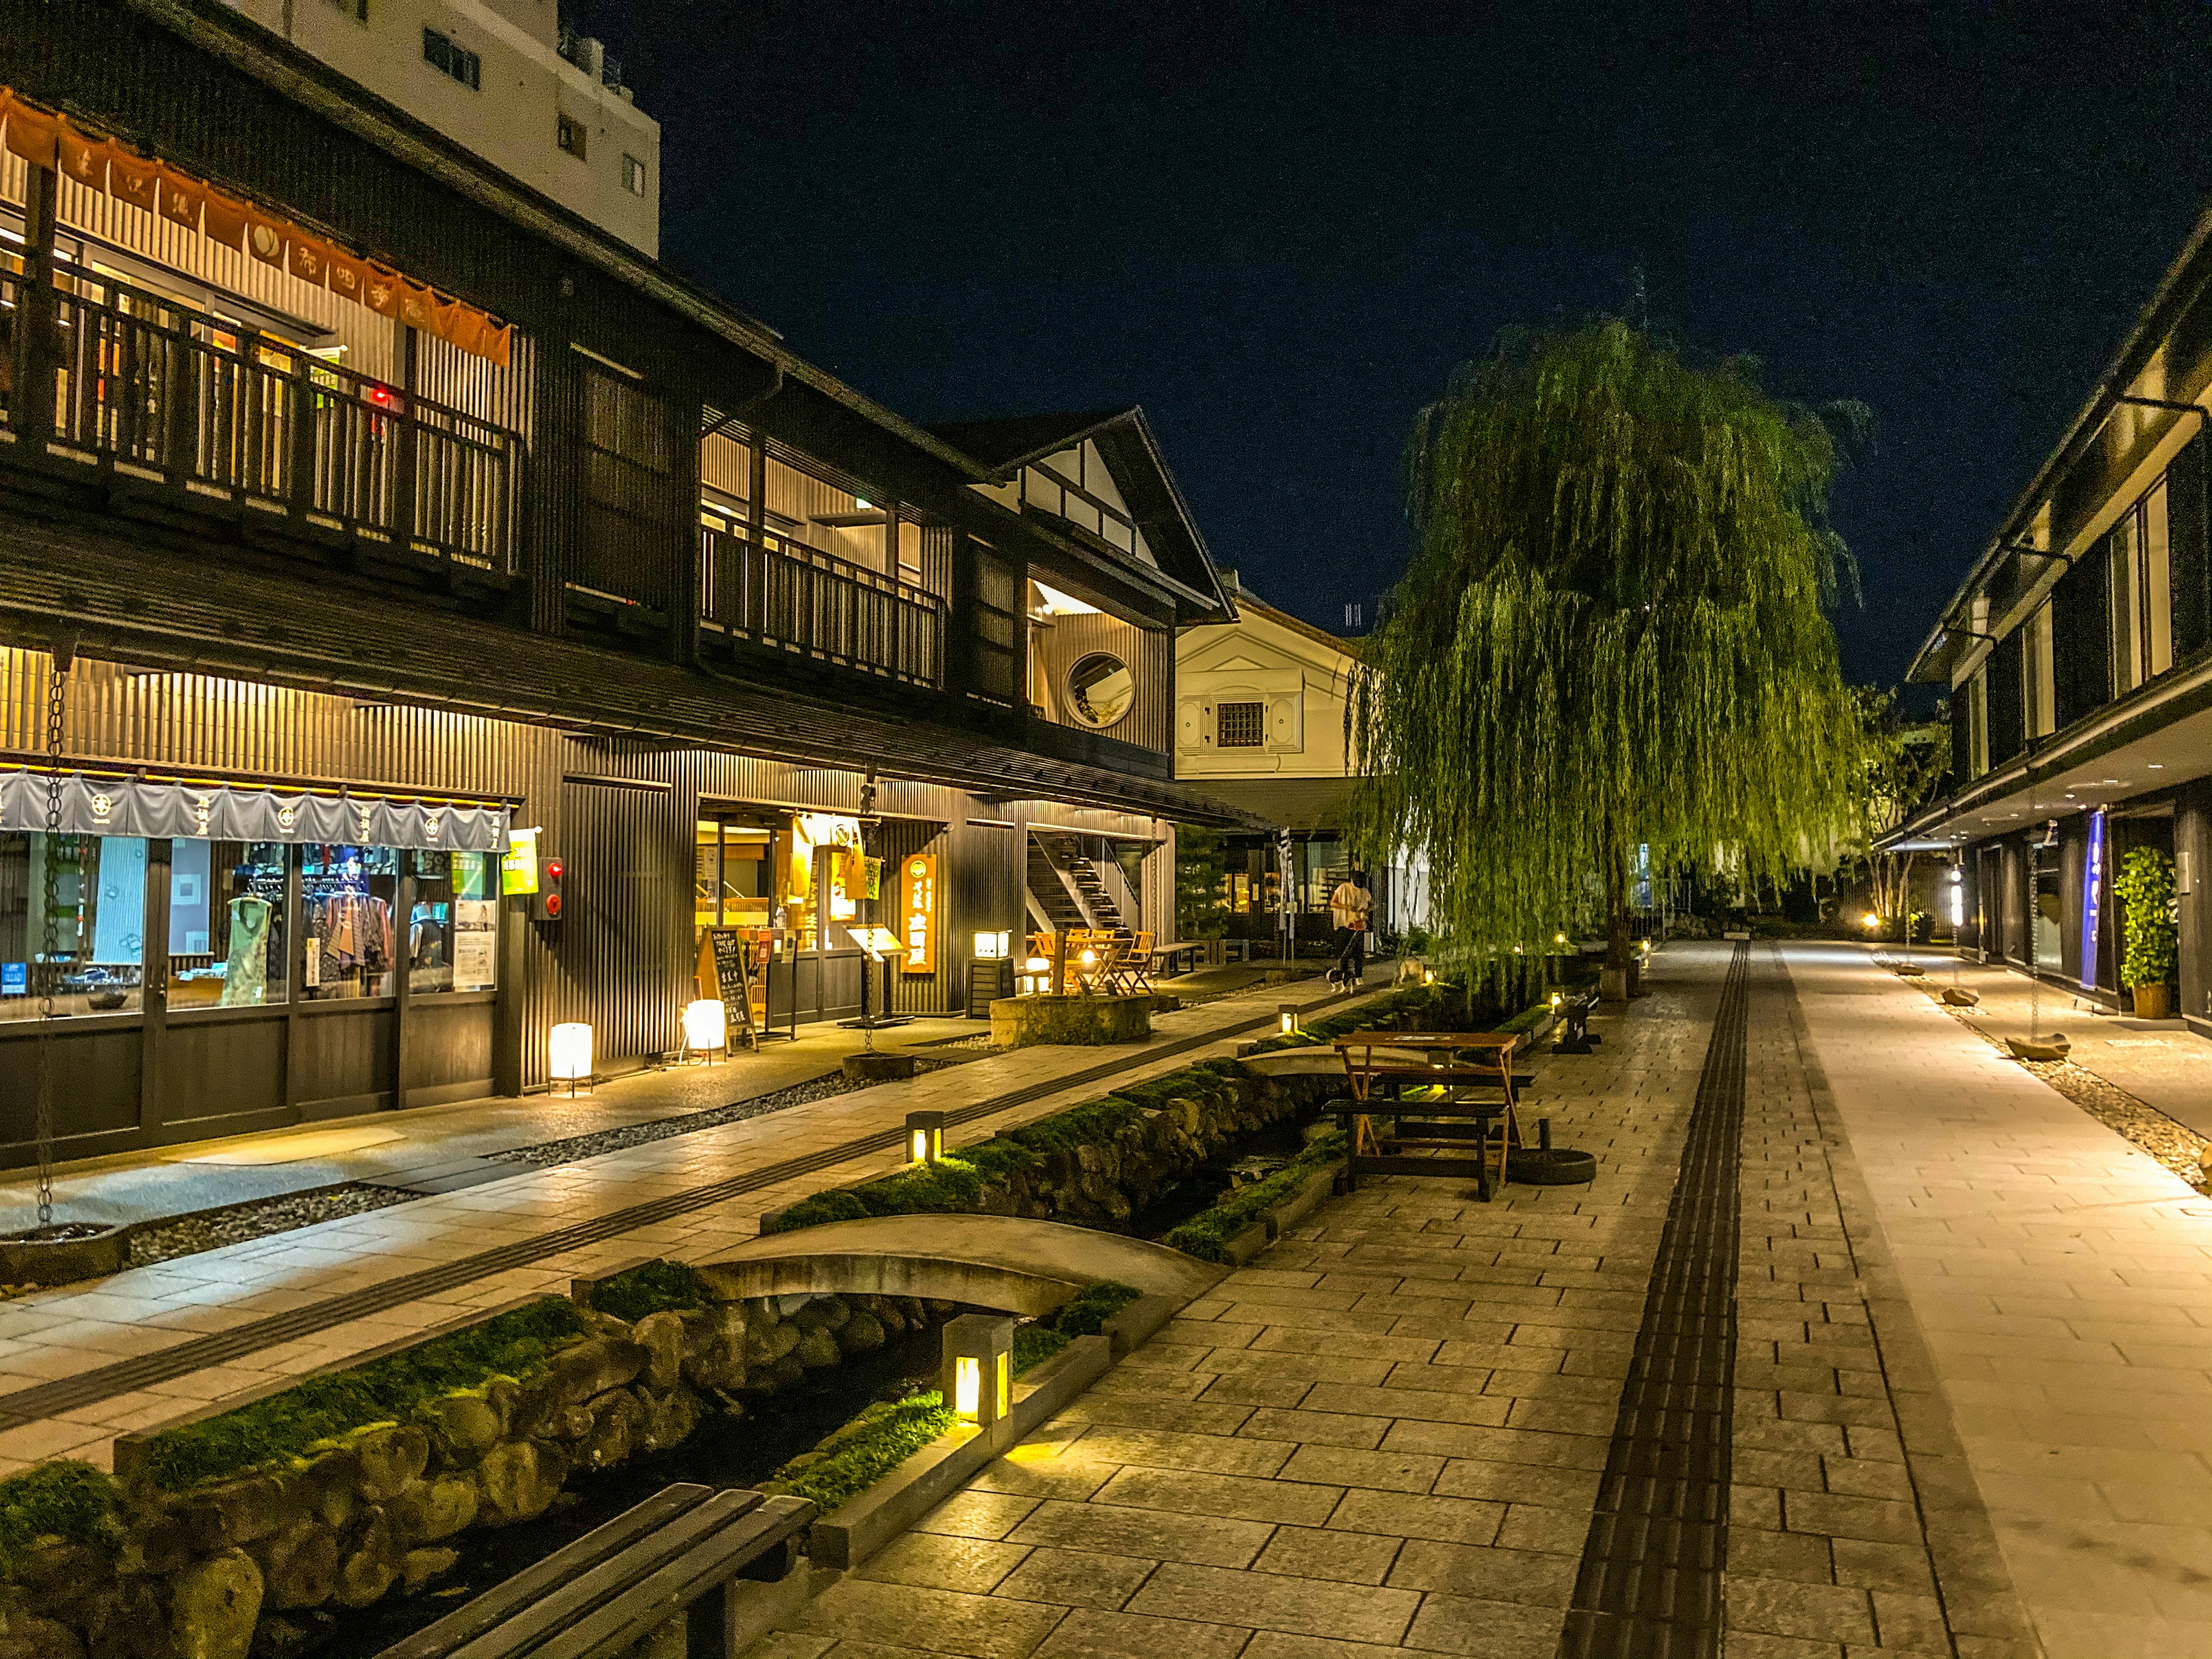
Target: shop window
{"points": [[98, 962], [1239, 725], [346, 899], [227, 947], [830, 844], [452, 928], [735, 878]]}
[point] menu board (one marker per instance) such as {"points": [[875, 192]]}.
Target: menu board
{"points": [[726, 970]]}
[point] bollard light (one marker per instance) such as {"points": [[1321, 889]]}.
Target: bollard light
{"points": [[979, 1364], [924, 1137], [1286, 1017], [706, 1026], [568, 1054], [1872, 920]]}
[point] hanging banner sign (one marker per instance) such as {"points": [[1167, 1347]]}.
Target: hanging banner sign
{"points": [[2092, 880], [518, 865], [186, 812], [919, 914]]}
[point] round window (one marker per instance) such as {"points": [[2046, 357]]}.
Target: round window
{"points": [[1101, 688]]}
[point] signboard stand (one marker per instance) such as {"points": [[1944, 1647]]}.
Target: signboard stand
{"points": [[728, 958], [880, 945]]}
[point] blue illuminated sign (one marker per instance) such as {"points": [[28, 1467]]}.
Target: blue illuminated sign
{"points": [[15, 979], [2092, 878]]}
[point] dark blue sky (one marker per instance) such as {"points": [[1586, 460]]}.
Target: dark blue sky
{"points": [[1278, 227]]}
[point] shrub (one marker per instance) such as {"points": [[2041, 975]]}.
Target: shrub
{"points": [[1034, 1344], [1205, 1234], [2146, 893], [515, 1344], [1092, 1306], [649, 1288], [68, 1498], [849, 1461]]}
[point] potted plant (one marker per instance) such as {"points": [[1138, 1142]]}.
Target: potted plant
{"points": [[2145, 889]]}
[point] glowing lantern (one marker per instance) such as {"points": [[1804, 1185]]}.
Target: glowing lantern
{"points": [[979, 1352], [706, 1026], [924, 1137], [568, 1054]]}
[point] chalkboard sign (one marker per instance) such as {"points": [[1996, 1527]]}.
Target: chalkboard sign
{"points": [[726, 970]]}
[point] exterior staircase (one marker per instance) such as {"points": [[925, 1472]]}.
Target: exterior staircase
{"points": [[1065, 886]]}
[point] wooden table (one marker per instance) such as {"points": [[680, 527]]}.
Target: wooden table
{"points": [[1467, 1091]]}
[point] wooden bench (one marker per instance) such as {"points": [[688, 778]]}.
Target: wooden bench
{"points": [[621, 1582], [1177, 957], [1574, 1016], [1444, 1091]]}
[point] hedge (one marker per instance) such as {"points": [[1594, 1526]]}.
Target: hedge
{"points": [[515, 1345], [650, 1287], [848, 1460]]}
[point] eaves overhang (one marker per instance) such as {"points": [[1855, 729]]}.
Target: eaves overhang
{"points": [[2159, 737]]}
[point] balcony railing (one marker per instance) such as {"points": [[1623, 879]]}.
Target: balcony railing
{"points": [[167, 395], [808, 602]]}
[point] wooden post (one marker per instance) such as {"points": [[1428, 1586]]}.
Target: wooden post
{"points": [[153, 997], [37, 313]]}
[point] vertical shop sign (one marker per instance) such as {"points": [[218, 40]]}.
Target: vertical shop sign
{"points": [[518, 865], [920, 914], [2093, 879]]}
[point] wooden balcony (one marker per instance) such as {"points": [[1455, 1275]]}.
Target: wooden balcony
{"points": [[795, 599], [153, 394]]}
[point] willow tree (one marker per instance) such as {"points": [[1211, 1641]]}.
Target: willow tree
{"points": [[1614, 635]]}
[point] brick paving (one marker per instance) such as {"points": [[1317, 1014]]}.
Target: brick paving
{"points": [[1388, 1433]]}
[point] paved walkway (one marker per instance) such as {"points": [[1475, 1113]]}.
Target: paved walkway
{"points": [[1402, 1429], [114, 1357]]}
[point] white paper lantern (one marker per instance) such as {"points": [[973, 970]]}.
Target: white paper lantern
{"points": [[568, 1052]]}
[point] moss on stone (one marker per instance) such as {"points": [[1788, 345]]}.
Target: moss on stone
{"points": [[67, 1498], [847, 1462], [285, 1425], [650, 1287], [1205, 1234]]}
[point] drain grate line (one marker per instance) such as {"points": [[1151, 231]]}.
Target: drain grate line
{"points": [[1650, 1580], [89, 1388]]}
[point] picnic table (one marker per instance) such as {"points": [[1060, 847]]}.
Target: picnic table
{"points": [[1443, 1092]]}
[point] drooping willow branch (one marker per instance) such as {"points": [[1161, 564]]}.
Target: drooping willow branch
{"points": [[1613, 637]]}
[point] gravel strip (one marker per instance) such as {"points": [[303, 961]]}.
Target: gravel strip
{"points": [[211, 1230], [2174, 1144], [602, 1141]]}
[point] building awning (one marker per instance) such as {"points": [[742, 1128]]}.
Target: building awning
{"points": [[1305, 807], [96, 805]]}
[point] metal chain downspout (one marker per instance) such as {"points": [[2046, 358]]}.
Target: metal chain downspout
{"points": [[49, 969]]}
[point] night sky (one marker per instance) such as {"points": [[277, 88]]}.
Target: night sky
{"points": [[1279, 227]]}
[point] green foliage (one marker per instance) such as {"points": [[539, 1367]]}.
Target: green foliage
{"points": [[67, 1498], [1034, 1344], [1612, 633], [852, 1459], [389, 1390], [2145, 887], [648, 1288], [1086, 1314], [1204, 1235], [1202, 867]]}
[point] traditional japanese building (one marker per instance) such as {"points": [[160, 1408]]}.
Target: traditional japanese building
{"points": [[362, 503]]}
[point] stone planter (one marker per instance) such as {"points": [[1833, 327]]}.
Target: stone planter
{"points": [[1021, 1022], [2154, 1001], [876, 1067], [93, 1252]]}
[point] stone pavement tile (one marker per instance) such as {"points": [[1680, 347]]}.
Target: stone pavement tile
{"points": [[1429, 1405], [1076, 1578], [1149, 1384], [1136, 1411], [943, 1562], [939, 1621], [1911, 1623], [1250, 1389], [1091, 1633], [1356, 1613], [1329, 1334], [1072, 1477], [1314, 1428], [1762, 1553], [1413, 1515], [1155, 1535], [1778, 1606], [1278, 1365], [1210, 1454], [2067, 1634], [1342, 1465], [790, 1644], [1867, 1478], [1207, 1332], [1874, 1566], [977, 1514], [1309, 1553], [1230, 1496], [1520, 1483], [1499, 1445], [1528, 1576], [1483, 1629], [1540, 1526]]}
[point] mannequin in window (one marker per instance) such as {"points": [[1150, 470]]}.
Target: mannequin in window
{"points": [[246, 979]]}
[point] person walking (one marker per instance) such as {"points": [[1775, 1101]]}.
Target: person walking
{"points": [[1351, 907]]}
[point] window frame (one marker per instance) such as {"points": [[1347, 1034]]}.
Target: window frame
{"points": [[1258, 724], [452, 59]]}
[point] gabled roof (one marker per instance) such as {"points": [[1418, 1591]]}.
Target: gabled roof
{"points": [[1004, 446]]}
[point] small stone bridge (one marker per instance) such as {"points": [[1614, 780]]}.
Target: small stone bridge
{"points": [[1018, 1266]]}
